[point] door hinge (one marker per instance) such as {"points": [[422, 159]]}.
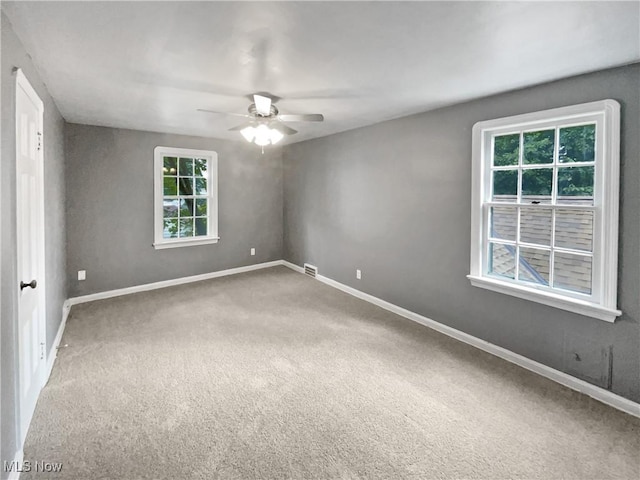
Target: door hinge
{"points": [[42, 351], [39, 141]]}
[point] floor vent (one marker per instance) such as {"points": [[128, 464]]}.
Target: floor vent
{"points": [[310, 270]]}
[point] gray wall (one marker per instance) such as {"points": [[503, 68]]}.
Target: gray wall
{"points": [[110, 209], [394, 200], [14, 55]]}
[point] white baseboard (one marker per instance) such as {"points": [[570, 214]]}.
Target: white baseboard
{"points": [[597, 393], [17, 465], [292, 266], [53, 353], [169, 283]]}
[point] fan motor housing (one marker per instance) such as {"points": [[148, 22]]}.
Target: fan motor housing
{"points": [[273, 111]]}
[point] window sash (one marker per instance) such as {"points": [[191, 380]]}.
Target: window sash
{"points": [[554, 166], [551, 248]]}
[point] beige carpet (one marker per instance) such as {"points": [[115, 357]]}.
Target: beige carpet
{"points": [[271, 374]]}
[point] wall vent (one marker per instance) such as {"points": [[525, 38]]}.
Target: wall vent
{"points": [[310, 270]]}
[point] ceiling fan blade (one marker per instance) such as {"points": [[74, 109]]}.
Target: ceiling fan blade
{"points": [[284, 129], [309, 117], [223, 113], [240, 127], [263, 104]]}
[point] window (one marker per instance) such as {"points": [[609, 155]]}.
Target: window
{"points": [[186, 197], [545, 207]]}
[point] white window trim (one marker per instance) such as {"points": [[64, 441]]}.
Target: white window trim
{"points": [[605, 255], [159, 153]]}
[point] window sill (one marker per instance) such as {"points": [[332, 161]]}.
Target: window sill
{"points": [[186, 243], [574, 305]]}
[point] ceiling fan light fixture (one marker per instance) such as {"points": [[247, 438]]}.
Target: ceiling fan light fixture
{"points": [[262, 135], [248, 133], [275, 136]]}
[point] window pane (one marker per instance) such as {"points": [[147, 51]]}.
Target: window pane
{"points": [[538, 147], [200, 167], [535, 225], [504, 222], [575, 185], [170, 228], [201, 186], [186, 227], [170, 166], [577, 144], [505, 185], [536, 185], [572, 272], [170, 186], [170, 208], [201, 207], [574, 229], [506, 150], [186, 207], [186, 167], [201, 226], [186, 186], [502, 260], [534, 265]]}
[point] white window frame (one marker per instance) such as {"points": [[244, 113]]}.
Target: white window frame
{"points": [[212, 190], [601, 304]]}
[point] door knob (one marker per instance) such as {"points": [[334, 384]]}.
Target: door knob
{"points": [[32, 284]]}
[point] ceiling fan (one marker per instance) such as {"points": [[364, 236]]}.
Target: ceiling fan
{"points": [[265, 124]]}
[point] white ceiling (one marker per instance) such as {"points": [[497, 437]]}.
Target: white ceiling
{"points": [[150, 65]]}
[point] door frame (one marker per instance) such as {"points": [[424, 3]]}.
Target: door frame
{"points": [[22, 83]]}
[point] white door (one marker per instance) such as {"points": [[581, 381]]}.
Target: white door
{"points": [[30, 234]]}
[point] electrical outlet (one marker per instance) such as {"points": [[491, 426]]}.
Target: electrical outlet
{"points": [[358, 274], [253, 251], [82, 274]]}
